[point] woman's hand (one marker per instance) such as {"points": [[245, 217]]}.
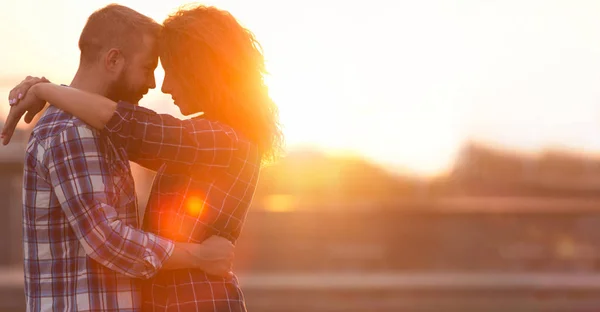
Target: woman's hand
{"points": [[18, 92], [22, 100]]}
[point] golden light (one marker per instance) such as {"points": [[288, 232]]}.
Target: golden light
{"points": [[280, 203]]}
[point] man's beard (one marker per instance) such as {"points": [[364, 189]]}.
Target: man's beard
{"points": [[121, 90]]}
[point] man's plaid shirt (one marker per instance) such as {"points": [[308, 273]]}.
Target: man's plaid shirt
{"points": [[204, 188], [82, 247]]}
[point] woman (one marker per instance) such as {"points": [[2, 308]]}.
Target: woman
{"points": [[212, 65]]}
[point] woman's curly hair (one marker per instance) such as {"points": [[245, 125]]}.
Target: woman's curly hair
{"points": [[220, 64]]}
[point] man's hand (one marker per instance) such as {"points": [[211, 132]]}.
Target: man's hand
{"points": [[215, 256], [22, 100]]}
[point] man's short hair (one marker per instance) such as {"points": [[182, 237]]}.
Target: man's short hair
{"points": [[115, 26]]}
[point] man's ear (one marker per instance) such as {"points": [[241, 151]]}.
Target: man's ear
{"points": [[114, 60]]}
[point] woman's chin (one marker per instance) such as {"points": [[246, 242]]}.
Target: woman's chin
{"points": [[183, 110]]}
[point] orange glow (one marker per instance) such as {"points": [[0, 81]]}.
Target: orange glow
{"points": [[280, 203], [194, 205]]}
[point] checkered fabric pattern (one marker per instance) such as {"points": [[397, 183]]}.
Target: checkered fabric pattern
{"points": [[206, 178], [83, 249]]}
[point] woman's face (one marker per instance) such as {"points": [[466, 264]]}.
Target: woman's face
{"points": [[182, 99]]}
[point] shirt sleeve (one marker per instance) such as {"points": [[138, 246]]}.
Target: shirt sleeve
{"points": [[80, 176], [152, 138]]}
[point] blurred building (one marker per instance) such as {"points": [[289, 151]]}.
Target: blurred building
{"points": [[486, 171], [457, 235]]}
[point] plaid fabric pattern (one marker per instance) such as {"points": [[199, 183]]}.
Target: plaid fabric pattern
{"points": [[83, 250], [206, 177]]}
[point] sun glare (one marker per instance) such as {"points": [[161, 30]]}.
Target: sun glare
{"points": [[194, 205]]}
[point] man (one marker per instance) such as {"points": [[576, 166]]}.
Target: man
{"points": [[83, 249]]}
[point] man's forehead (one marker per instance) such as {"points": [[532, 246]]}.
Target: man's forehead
{"points": [[150, 42], [149, 49]]}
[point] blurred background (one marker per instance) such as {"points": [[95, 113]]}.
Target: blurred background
{"points": [[441, 155]]}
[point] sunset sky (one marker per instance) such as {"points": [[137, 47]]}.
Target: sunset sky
{"points": [[404, 83]]}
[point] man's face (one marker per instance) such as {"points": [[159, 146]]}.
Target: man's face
{"points": [[137, 75]]}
